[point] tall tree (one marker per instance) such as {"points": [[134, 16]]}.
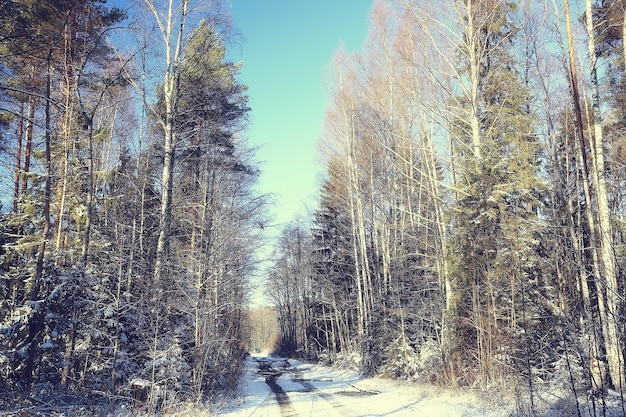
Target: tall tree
{"points": [[78, 268], [608, 297], [171, 24], [334, 315], [214, 221], [290, 289]]}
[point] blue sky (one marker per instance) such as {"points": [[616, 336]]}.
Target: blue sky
{"points": [[286, 47]]}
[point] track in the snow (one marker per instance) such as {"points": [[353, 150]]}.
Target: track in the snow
{"points": [[286, 409], [271, 373], [323, 395]]}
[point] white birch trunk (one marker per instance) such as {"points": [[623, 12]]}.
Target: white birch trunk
{"points": [[474, 56], [609, 276], [173, 56]]}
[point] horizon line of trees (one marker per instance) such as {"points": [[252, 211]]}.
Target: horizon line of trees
{"points": [[130, 237], [470, 229]]}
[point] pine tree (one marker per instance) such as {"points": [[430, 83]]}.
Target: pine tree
{"points": [[216, 216]]}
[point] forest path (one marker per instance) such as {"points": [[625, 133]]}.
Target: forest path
{"points": [[308, 400], [277, 387]]}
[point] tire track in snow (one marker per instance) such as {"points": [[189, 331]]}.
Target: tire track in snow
{"points": [[271, 375], [345, 411], [286, 409]]}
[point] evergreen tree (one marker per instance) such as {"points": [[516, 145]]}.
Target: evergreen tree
{"points": [[68, 37], [77, 256], [494, 244], [215, 219], [334, 317]]}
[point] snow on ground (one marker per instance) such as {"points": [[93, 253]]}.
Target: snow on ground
{"points": [[315, 390]]}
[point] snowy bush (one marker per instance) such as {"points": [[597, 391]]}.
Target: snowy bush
{"points": [[570, 377], [349, 359], [430, 361], [171, 372], [324, 357], [402, 361]]}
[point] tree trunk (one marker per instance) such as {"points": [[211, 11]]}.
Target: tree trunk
{"points": [[90, 193], [624, 31], [18, 157], [473, 50], [171, 86], [36, 324], [611, 290], [30, 125]]}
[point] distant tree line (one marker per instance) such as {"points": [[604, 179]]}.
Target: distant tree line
{"points": [[127, 242], [470, 229]]}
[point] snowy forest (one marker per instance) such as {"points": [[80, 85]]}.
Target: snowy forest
{"points": [[470, 229], [469, 232], [129, 237]]}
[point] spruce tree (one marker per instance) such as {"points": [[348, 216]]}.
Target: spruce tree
{"points": [[494, 243], [334, 316]]}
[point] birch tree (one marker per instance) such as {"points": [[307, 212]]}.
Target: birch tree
{"points": [[611, 305], [171, 24]]}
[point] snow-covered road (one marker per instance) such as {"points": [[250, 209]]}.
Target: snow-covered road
{"points": [[302, 389]]}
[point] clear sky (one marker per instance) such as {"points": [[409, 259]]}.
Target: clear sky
{"points": [[286, 48]]}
